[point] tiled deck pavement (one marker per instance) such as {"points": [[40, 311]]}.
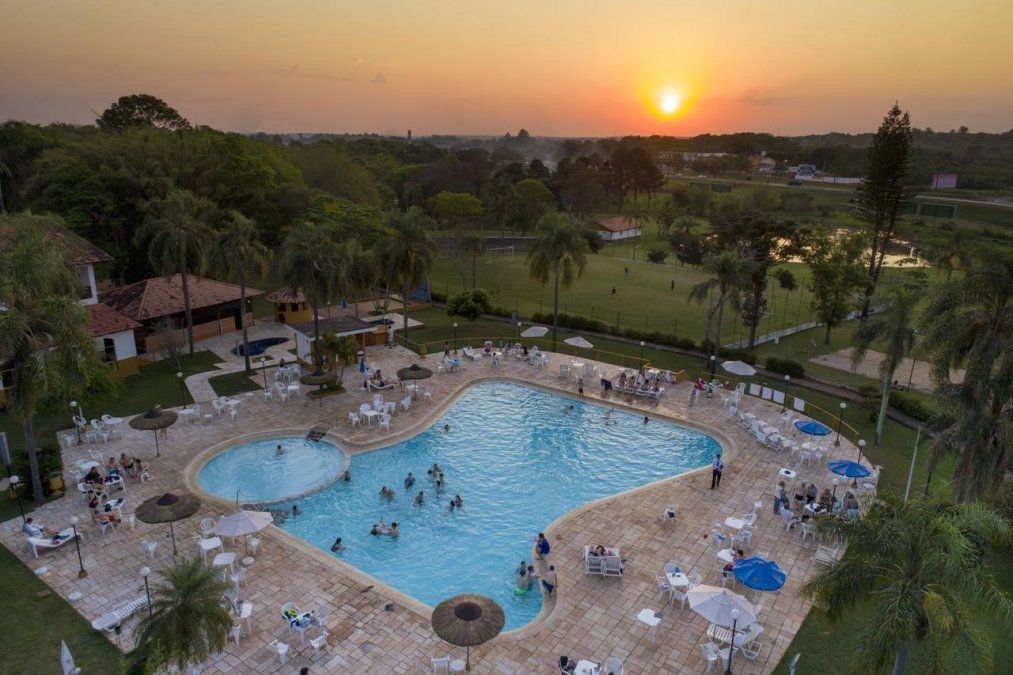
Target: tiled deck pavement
{"points": [[594, 617]]}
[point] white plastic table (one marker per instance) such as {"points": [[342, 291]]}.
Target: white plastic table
{"points": [[648, 618], [369, 415], [210, 544], [225, 560], [677, 580], [735, 523], [726, 555], [787, 473], [585, 668], [188, 415]]}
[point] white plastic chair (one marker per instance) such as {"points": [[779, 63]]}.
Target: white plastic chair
{"points": [[234, 633], [318, 642], [207, 527], [268, 395], [406, 403], [281, 649], [441, 666], [246, 615], [385, 421], [354, 419], [613, 665], [254, 544], [664, 588], [149, 547], [239, 578], [713, 655]]}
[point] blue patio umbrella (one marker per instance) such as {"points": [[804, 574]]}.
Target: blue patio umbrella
{"points": [[849, 469], [812, 427], [759, 574]]}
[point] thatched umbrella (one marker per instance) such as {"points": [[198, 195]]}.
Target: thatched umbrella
{"points": [[414, 372], [315, 380], [166, 509], [467, 621], [155, 420]]}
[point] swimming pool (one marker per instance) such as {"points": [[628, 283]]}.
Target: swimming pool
{"points": [[259, 346], [260, 473], [519, 459]]}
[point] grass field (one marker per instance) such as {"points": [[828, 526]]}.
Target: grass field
{"points": [[231, 384]]}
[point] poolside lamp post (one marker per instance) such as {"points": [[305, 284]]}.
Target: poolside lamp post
{"points": [[80, 415], [731, 647], [861, 449], [787, 383], [455, 336], [641, 355], [182, 401], [833, 497], [145, 571], [15, 483], [82, 573], [263, 369], [714, 362], [840, 419]]}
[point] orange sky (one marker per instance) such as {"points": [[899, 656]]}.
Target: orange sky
{"points": [[556, 67]]}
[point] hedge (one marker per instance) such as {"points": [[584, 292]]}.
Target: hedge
{"points": [[785, 367]]}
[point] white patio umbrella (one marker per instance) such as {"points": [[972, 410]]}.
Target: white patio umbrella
{"points": [[716, 605], [242, 523], [67, 661], [578, 342], [535, 332], [739, 368]]}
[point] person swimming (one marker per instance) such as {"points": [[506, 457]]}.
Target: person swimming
{"points": [[458, 502], [446, 428], [439, 485], [378, 528], [451, 506], [409, 481], [646, 419], [386, 493], [393, 530], [295, 509], [337, 546], [347, 476], [419, 498], [279, 450]]}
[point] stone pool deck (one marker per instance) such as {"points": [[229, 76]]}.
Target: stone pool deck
{"points": [[592, 618]]}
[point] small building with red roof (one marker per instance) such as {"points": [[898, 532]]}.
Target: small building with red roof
{"points": [[616, 228]]}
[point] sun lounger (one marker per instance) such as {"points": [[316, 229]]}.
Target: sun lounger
{"points": [[469, 353], [120, 613], [373, 386], [37, 543], [614, 566]]}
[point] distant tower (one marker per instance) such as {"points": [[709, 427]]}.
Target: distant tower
{"points": [[409, 135]]}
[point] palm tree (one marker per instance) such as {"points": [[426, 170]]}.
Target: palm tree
{"points": [[314, 261], [178, 239], [361, 271], [187, 622], [43, 332], [969, 323], [473, 243], [918, 567], [407, 254], [893, 325], [339, 353], [560, 253], [731, 273], [236, 252]]}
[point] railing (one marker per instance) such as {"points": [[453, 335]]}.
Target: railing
{"points": [[543, 343], [833, 420]]}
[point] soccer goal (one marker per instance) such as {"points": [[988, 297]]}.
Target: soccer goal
{"points": [[498, 250]]}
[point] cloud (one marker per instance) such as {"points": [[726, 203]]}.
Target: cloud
{"points": [[753, 96], [378, 79], [337, 78], [286, 72], [355, 59]]}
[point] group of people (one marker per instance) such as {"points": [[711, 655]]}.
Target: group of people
{"points": [[805, 494], [527, 576]]}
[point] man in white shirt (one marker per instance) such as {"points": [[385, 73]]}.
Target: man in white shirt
{"points": [[717, 466]]}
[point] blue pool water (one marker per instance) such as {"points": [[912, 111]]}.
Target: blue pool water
{"points": [[517, 459], [260, 473], [258, 347]]}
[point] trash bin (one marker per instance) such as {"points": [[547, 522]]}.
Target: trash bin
{"points": [[56, 481]]}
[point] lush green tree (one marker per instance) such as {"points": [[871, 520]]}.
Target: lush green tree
{"points": [[313, 261], [238, 253], [531, 201], [918, 567], [498, 195], [892, 327], [580, 185], [559, 253], [178, 237], [455, 209], [730, 276], [362, 272], [328, 166], [188, 621], [140, 111], [43, 328], [968, 323], [884, 191], [406, 255], [469, 304], [836, 276], [339, 353]]}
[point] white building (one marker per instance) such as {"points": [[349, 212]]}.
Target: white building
{"points": [[616, 228]]}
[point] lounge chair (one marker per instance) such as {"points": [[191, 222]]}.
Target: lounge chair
{"points": [[37, 543], [614, 566], [826, 555], [110, 620], [593, 564], [469, 353]]}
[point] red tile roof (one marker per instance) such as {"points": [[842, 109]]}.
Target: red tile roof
{"points": [[80, 251], [285, 295], [104, 320], [161, 296], [618, 223]]}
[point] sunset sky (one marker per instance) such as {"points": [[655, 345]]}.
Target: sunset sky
{"points": [[555, 67]]}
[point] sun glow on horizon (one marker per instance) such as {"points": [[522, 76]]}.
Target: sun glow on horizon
{"points": [[670, 103]]}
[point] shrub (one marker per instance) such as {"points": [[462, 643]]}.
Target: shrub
{"points": [[911, 406], [785, 367], [657, 254], [470, 304], [50, 461]]}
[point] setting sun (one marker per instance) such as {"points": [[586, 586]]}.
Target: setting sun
{"points": [[669, 103]]}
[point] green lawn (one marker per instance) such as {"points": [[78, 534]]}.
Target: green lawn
{"points": [[35, 620], [231, 384]]}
